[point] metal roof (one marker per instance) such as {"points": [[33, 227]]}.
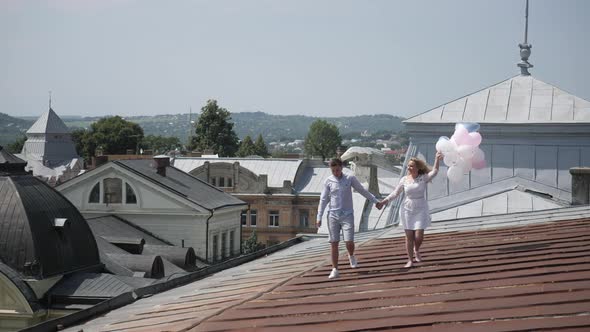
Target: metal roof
{"points": [[520, 99], [182, 184], [277, 170], [113, 225], [10, 162], [96, 285], [25, 290], [49, 123], [311, 179], [30, 242], [506, 202], [525, 271]]}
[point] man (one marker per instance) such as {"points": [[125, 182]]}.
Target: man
{"points": [[337, 193]]}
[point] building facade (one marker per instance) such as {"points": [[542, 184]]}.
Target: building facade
{"points": [[175, 206], [277, 208]]}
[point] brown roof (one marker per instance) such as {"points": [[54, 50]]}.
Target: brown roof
{"points": [[532, 277]]}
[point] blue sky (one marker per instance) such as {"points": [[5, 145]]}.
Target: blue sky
{"points": [[319, 58]]}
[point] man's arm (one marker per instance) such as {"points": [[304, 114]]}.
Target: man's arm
{"points": [[324, 200], [354, 182]]}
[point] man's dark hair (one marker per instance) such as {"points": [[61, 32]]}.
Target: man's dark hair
{"points": [[335, 162]]}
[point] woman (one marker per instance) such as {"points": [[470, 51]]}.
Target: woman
{"points": [[413, 212]]}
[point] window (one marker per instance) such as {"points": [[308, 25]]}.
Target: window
{"points": [[95, 194], [244, 217], [213, 182], [303, 218], [253, 218], [231, 243], [215, 247], [113, 189], [222, 182], [229, 182], [273, 219], [223, 245], [130, 197]]}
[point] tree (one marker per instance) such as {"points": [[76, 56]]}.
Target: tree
{"points": [[247, 147], [114, 135], [80, 138], [160, 144], [17, 146], [251, 244], [260, 147], [214, 131], [322, 139]]}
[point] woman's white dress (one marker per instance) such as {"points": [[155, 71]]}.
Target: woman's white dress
{"points": [[414, 213]]}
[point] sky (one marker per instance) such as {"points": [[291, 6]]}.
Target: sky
{"points": [[311, 57]]}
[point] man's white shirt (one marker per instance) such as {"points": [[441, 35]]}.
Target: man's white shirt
{"points": [[337, 193]]}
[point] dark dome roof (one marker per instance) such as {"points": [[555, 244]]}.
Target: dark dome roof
{"points": [[35, 240]]}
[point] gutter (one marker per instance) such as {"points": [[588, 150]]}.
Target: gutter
{"points": [[207, 236]]}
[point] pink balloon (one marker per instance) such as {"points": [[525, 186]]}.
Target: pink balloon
{"points": [[461, 135], [474, 139], [479, 164]]}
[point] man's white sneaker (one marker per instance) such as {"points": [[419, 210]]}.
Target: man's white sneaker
{"points": [[334, 274], [352, 260]]}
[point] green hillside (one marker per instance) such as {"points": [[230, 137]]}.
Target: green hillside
{"points": [[272, 127]]}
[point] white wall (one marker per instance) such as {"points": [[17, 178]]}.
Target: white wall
{"points": [[225, 222]]}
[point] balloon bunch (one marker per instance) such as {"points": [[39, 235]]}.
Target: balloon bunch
{"points": [[461, 151]]}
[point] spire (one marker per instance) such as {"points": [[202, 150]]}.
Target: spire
{"points": [[49, 99], [525, 48]]}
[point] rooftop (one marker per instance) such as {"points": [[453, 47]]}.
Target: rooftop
{"points": [[517, 272], [182, 184], [520, 99]]}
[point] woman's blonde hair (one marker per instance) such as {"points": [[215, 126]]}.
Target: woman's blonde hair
{"points": [[421, 165]]}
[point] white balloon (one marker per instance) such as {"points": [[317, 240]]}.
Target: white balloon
{"points": [[442, 141], [465, 151], [454, 173], [478, 155], [450, 158], [445, 146]]}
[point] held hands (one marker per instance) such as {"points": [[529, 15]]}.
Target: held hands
{"points": [[381, 204]]}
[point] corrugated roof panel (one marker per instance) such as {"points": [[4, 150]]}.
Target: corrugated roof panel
{"points": [[470, 277], [518, 201], [520, 99], [476, 106], [473, 209], [277, 170], [453, 111], [48, 123]]}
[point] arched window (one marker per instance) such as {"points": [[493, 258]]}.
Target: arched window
{"points": [[95, 194], [130, 197], [113, 191]]}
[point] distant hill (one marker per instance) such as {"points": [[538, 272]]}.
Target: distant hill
{"points": [[272, 127], [12, 128]]}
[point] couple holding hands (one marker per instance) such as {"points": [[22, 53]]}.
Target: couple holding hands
{"points": [[414, 215]]}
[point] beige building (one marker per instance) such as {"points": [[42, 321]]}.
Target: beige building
{"points": [[282, 194]]}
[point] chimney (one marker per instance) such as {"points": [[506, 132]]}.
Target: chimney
{"points": [[160, 163], [580, 185]]}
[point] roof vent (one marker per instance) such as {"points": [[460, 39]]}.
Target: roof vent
{"points": [[60, 223], [160, 163]]}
